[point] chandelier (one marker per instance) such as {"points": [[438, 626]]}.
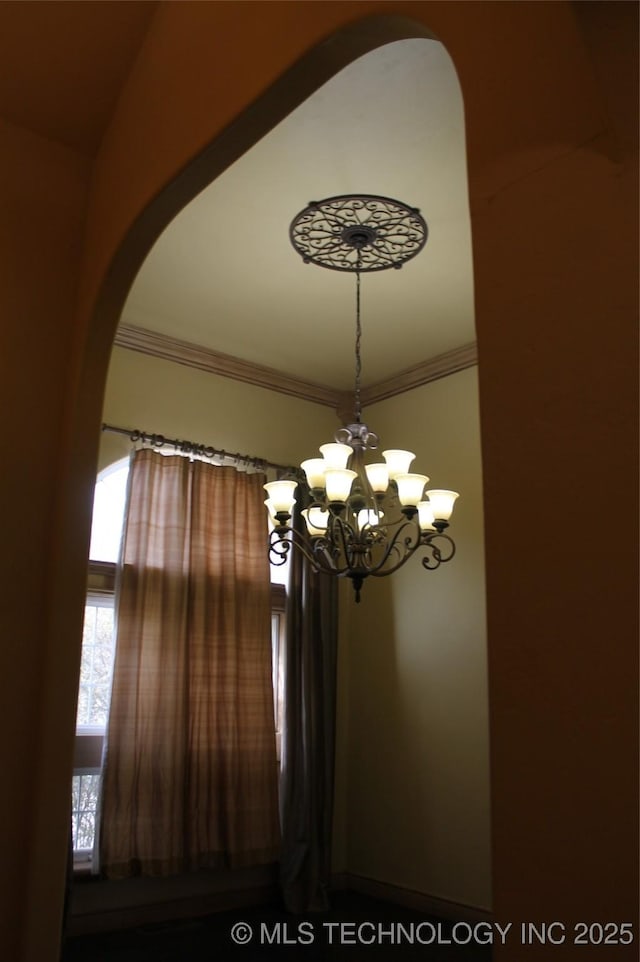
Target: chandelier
{"points": [[363, 518]]}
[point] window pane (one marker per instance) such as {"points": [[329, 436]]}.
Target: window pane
{"points": [[86, 830], [83, 705], [277, 662], [88, 793], [84, 795], [108, 512], [96, 665]]}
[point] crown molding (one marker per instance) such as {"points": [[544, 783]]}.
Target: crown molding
{"points": [[204, 359], [440, 366]]}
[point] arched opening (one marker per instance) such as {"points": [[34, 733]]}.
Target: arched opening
{"points": [[564, 728], [424, 142]]}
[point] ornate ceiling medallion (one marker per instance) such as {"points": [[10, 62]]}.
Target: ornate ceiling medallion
{"points": [[359, 232]]}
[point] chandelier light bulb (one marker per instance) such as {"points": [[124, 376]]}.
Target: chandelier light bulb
{"points": [[410, 488], [281, 496], [314, 469], [425, 516], [370, 517], [378, 476], [398, 461], [442, 503], [335, 455], [316, 521], [339, 481]]}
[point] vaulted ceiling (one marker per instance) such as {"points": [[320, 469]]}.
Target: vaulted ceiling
{"points": [[62, 64], [224, 277]]}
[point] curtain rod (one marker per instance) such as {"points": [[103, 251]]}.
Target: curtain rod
{"points": [[193, 447]]}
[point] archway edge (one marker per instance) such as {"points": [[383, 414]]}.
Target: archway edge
{"points": [[159, 203], [122, 226], [190, 107]]}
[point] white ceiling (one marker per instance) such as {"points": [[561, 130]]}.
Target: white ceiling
{"points": [[224, 275]]}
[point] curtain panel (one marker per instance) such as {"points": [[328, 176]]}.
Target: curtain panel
{"points": [[309, 733], [190, 775]]}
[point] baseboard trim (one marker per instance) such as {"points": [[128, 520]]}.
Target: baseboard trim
{"points": [[339, 881], [123, 916], [182, 909], [411, 899]]}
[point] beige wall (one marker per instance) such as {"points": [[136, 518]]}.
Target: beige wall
{"points": [[180, 402], [411, 805], [418, 704], [412, 754]]}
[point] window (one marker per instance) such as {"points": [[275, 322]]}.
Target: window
{"points": [[98, 648], [108, 512], [94, 692], [96, 666], [97, 658]]}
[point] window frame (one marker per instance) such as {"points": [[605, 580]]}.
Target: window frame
{"points": [[89, 739]]}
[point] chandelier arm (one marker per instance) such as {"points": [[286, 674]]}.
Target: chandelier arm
{"points": [[408, 546], [437, 557], [282, 539], [382, 573], [279, 546], [340, 544], [325, 560], [401, 546], [318, 551], [365, 567], [347, 536]]}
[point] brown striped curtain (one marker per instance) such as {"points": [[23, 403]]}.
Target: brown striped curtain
{"points": [[190, 777]]}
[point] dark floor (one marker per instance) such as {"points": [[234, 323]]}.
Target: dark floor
{"points": [[356, 928]]}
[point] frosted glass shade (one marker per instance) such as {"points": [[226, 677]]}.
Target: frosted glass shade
{"points": [[378, 476], [338, 482], [314, 469], [269, 508], [398, 461], [281, 495], [410, 488], [316, 520], [335, 455], [367, 516], [442, 503], [425, 516]]}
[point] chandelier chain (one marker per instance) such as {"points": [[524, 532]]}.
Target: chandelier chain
{"points": [[357, 403]]}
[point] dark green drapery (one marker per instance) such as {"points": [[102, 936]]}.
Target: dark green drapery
{"points": [[308, 743]]}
